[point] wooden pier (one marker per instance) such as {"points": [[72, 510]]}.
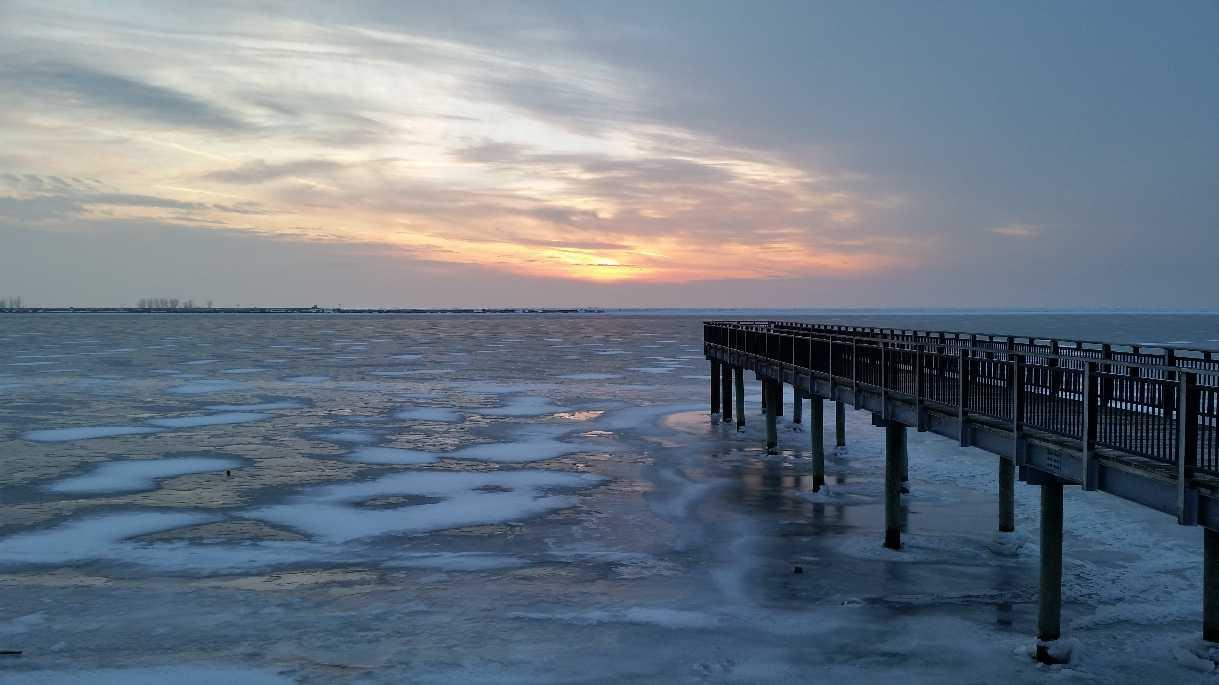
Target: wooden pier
{"points": [[1132, 421]]}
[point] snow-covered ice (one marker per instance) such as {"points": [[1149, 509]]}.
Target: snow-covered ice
{"points": [[541, 508]]}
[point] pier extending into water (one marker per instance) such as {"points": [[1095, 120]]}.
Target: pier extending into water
{"points": [[1133, 421]]}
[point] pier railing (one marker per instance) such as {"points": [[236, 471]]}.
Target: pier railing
{"points": [[1161, 405]]}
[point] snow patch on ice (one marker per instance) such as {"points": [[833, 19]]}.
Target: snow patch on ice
{"points": [[535, 445], [205, 387], [332, 513], [223, 419], [525, 405], [350, 435], [390, 455], [135, 475], [457, 561], [264, 406], [590, 376], [656, 616], [307, 380], [85, 433], [149, 675], [95, 538], [441, 414]]}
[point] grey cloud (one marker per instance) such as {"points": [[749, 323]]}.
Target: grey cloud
{"points": [[259, 171], [92, 87]]}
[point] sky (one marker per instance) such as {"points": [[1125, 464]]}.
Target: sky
{"points": [[610, 154]]}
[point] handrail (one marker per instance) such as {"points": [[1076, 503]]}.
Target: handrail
{"points": [[1170, 363], [1129, 406], [961, 335]]}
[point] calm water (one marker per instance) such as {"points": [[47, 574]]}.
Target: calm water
{"points": [[445, 499]]}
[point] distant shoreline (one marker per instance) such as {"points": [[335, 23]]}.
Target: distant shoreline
{"points": [[288, 310]]}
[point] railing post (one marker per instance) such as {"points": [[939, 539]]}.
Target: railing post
{"points": [[1055, 376], [1018, 399], [886, 360], [920, 421], [1170, 359], [1106, 383], [1187, 447], [1091, 411], [855, 368], [963, 395]]}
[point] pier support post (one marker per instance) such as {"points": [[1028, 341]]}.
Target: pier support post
{"points": [[840, 424], [1210, 585], [765, 394], [903, 455], [894, 439], [740, 397], [726, 393], [797, 405], [1049, 608], [770, 387], [816, 420], [715, 387], [1007, 496]]}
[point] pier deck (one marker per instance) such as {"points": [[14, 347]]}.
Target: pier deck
{"points": [[1132, 421]]}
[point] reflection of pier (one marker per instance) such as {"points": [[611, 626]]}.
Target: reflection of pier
{"points": [[1136, 422]]}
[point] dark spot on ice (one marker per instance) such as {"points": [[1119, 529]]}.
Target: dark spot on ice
{"points": [[395, 501]]}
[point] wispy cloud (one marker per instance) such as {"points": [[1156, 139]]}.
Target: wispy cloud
{"points": [[87, 88], [1017, 230], [530, 158]]}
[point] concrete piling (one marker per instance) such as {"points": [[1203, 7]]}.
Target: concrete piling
{"points": [[1210, 585], [772, 425], [740, 397], [903, 461], [797, 406], [726, 393], [840, 424], [816, 419], [1049, 608], [715, 387], [894, 437], [1007, 496]]}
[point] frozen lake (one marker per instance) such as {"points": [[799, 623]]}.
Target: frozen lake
{"points": [[380, 499]]}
